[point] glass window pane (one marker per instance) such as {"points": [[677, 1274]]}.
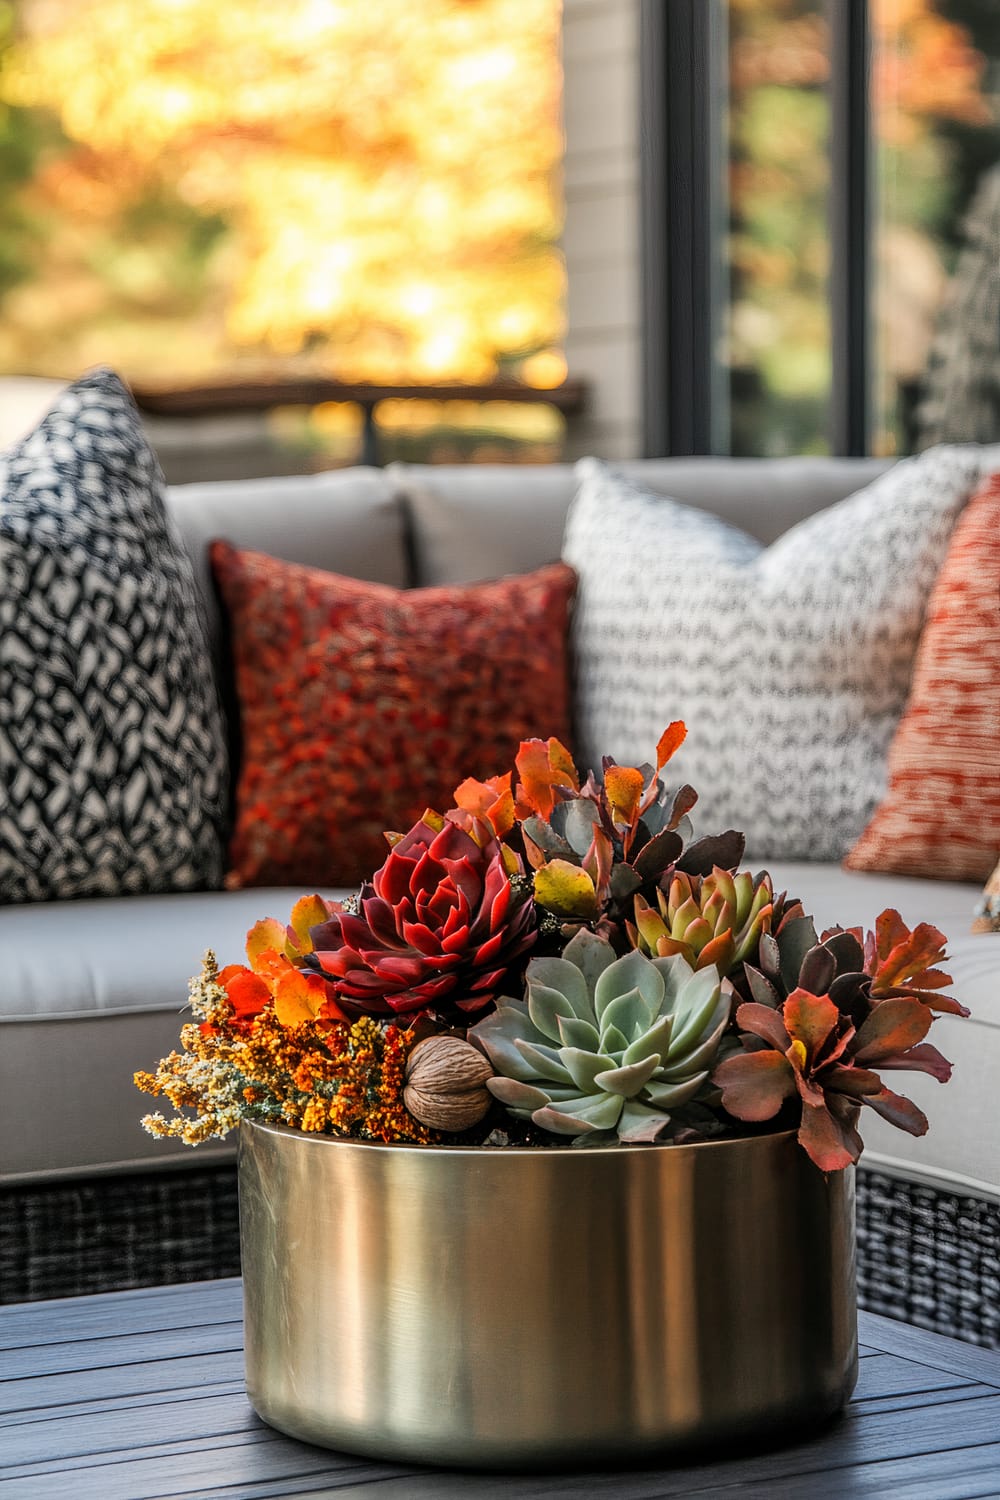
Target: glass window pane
{"points": [[936, 128], [363, 191], [777, 347]]}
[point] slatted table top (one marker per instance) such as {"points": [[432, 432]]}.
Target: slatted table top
{"points": [[139, 1396]]}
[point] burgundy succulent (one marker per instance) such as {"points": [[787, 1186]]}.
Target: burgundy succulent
{"points": [[810, 1048], [824, 1014], [438, 928]]}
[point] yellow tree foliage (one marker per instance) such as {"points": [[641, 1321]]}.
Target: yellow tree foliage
{"points": [[385, 171]]}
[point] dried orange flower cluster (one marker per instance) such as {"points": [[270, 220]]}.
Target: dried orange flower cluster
{"points": [[340, 1077]]}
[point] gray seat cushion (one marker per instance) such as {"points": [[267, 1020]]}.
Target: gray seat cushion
{"points": [[92, 991]]}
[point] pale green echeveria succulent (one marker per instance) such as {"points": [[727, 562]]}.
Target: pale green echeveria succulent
{"points": [[605, 1044]]}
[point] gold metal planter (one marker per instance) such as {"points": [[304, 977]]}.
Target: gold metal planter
{"points": [[518, 1307]]}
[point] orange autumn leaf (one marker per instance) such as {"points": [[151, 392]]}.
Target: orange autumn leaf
{"points": [[266, 936], [543, 765], [562, 764], [670, 742], [298, 997], [623, 787], [307, 913], [491, 800]]}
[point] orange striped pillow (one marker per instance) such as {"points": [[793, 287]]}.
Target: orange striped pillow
{"points": [[941, 814]]}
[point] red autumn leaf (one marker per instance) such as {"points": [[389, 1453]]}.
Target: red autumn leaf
{"points": [[855, 1083], [599, 859], [855, 932], [899, 1110], [562, 764], [247, 992], [684, 799], [945, 1005], [831, 1143], [755, 1084], [902, 956], [670, 742], [901, 962], [890, 930], [269, 966], [890, 1028], [765, 1022], [810, 1090], [266, 936], [534, 854], [923, 1059]]}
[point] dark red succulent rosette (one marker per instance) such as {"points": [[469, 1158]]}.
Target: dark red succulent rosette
{"points": [[438, 928]]}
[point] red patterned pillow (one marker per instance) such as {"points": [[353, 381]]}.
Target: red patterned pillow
{"points": [[941, 815], [362, 705]]}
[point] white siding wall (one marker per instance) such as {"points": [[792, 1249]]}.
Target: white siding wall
{"points": [[601, 236]]}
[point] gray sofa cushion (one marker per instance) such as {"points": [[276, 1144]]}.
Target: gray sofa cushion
{"points": [[484, 521], [346, 522], [79, 1015]]}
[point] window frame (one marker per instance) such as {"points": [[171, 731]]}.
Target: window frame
{"points": [[683, 90]]}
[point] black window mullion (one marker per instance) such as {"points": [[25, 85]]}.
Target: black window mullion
{"points": [[850, 226], [680, 122], [654, 222]]}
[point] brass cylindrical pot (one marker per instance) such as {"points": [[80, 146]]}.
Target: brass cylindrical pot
{"points": [[506, 1307]]}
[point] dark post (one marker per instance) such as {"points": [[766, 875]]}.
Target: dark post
{"points": [[850, 225], [682, 52]]}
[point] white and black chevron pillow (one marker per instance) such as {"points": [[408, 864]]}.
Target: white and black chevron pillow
{"points": [[112, 750], [789, 664]]}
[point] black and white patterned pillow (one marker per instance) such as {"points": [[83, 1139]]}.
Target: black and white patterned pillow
{"points": [[112, 750], [789, 664]]}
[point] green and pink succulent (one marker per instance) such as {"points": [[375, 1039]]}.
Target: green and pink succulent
{"points": [[715, 919]]}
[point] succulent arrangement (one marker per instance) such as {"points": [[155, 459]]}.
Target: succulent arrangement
{"points": [[556, 959]]}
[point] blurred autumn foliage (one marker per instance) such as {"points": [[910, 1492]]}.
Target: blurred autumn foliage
{"points": [[369, 189], [362, 190], [935, 118]]}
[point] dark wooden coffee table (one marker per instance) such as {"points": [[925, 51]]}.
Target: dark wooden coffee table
{"points": [[137, 1395]]}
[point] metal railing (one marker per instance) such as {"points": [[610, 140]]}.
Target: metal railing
{"points": [[569, 398]]}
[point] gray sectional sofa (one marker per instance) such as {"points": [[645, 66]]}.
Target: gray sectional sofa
{"points": [[91, 990]]}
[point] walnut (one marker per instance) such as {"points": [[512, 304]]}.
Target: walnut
{"points": [[446, 1083]]}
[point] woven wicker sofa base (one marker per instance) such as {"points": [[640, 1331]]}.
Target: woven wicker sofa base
{"points": [[930, 1258], [924, 1257], [112, 1234]]}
